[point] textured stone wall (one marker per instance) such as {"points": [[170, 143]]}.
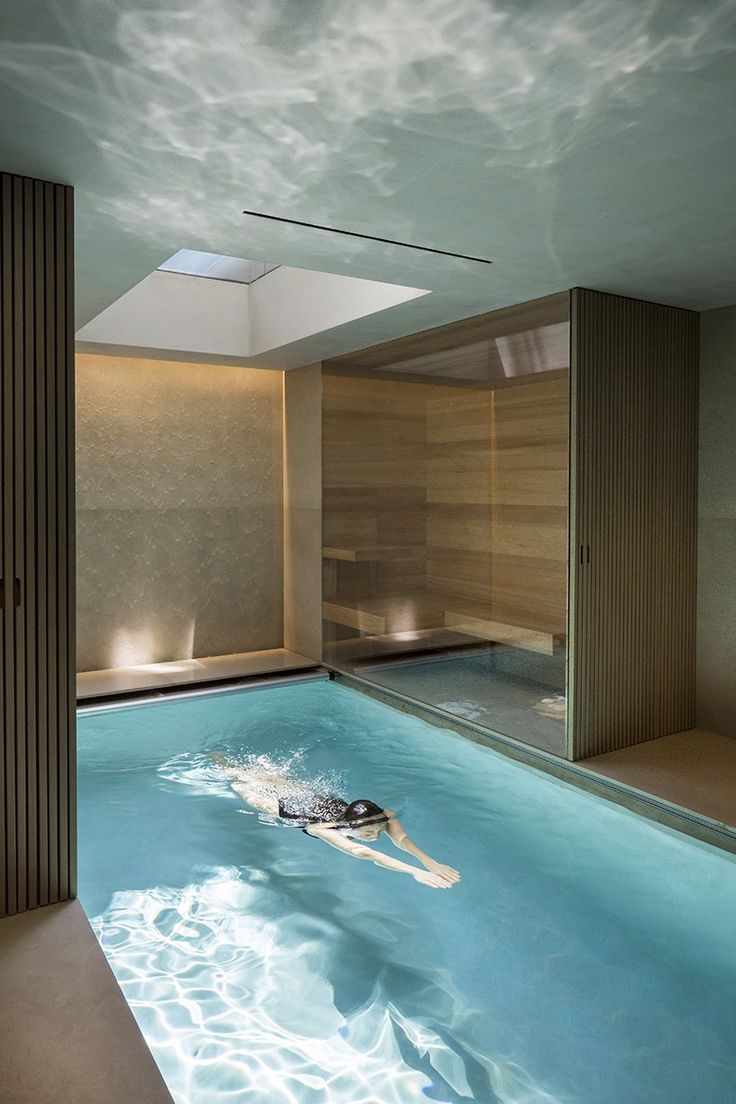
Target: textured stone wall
{"points": [[179, 511]]}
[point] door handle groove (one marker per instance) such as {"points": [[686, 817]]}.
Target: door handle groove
{"points": [[16, 593]]}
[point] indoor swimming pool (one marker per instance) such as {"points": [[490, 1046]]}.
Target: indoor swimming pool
{"points": [[499, 688], [587, 956]]}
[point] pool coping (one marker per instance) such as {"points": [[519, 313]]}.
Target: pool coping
{"points": [[129, 698], [676, 817]]}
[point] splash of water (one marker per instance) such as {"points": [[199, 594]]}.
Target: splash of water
{"points": [[269, 777]]}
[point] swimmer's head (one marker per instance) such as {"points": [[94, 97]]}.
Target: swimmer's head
{"points": [[365, 819]]}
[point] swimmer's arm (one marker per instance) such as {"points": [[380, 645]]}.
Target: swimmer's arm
{"points": [[360, 851], [399, 838]]}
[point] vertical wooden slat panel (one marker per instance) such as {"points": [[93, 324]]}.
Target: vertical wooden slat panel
{"points": [[3, 331], [8, 532], [52, 702], [37, 834], [29, 546], [6, 484], [19, 524], [634, 444], [572, 493], [61, 562], [71, 572], [42, 550]]}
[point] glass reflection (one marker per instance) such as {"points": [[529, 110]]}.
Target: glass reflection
{"points": [[445, 499]]}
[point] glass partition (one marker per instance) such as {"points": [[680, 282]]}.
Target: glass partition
{"points": [[445, 500]]}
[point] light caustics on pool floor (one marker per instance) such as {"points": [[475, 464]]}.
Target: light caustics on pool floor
{"points": [[586, 958]]}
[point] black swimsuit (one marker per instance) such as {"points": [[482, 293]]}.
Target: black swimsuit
{"points": [[312, 809]]}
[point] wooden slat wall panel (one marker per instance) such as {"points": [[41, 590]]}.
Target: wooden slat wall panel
{"points": [[519, 318], [373, 449], [497, 492], [37, 822], [633, 522]]}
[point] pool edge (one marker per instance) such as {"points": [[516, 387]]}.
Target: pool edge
{"points": [[675, 817]]}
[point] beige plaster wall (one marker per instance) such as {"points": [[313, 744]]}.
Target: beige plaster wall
{"points": [[716, 656], [179, 510]]}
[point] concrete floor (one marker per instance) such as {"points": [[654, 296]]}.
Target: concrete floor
{"points": [[153, 676], [67, 1035], [695, 769]]}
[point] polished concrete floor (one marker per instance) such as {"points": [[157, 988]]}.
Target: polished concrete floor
{"points": [[67, 1033], [695, 769], [154, 676]]}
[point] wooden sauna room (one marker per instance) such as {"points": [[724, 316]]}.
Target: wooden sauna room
{"points": [[480, 482]]}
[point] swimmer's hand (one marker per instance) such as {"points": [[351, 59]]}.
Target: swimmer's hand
{"points": [[435, 881], [398, 836], [447, 872]]}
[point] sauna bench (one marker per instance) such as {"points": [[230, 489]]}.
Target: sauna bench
{"points": [[408, 612], [531, 634], [372, 553]]}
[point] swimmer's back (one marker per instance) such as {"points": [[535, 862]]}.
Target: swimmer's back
{"points": [[311, 808]]}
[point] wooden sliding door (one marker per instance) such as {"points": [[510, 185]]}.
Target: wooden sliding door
{"points": [[633, 521], [37, 822]]}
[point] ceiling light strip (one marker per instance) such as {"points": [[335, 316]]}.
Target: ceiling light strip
{"points": [[368, 237]]}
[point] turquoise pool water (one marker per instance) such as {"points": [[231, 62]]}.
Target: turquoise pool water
{"points": [[587, 957], [499, 689]]}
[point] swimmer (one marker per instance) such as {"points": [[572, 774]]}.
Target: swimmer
{"points": [[344, 826]]}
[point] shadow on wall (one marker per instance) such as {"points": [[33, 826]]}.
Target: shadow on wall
{"points": [[179, 511]]}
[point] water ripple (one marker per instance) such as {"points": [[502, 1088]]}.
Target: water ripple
{"points": [[235, 1005]]}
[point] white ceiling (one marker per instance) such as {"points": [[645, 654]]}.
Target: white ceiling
{"points": [[261, 323], [588, 143]]}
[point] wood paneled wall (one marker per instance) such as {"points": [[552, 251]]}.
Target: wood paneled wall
{"points": [[497, 497], [633, 518], [37, 766], [428, 348], [374, 480], [453, 442]]}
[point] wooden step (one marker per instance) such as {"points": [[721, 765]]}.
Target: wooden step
{"points": [[394, 613], [354, 618], [371, 553], [419, 610], [524, 636]]}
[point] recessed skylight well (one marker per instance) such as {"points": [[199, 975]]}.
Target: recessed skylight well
{"points": [[220, 306], [216, 266]]}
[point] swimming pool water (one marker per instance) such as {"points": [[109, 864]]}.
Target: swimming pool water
{"points": [[479, 686], [587, 957]]}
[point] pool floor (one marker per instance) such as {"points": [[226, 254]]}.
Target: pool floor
{"points": [[587, 956], [475, 686]]}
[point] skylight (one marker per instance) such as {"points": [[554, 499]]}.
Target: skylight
{"points": [[216, 266]]}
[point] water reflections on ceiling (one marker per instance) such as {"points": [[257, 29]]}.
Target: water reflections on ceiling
{"points": [[201, 111]]}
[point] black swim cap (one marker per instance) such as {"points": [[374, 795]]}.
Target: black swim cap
{"points": [[362, 812]]}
